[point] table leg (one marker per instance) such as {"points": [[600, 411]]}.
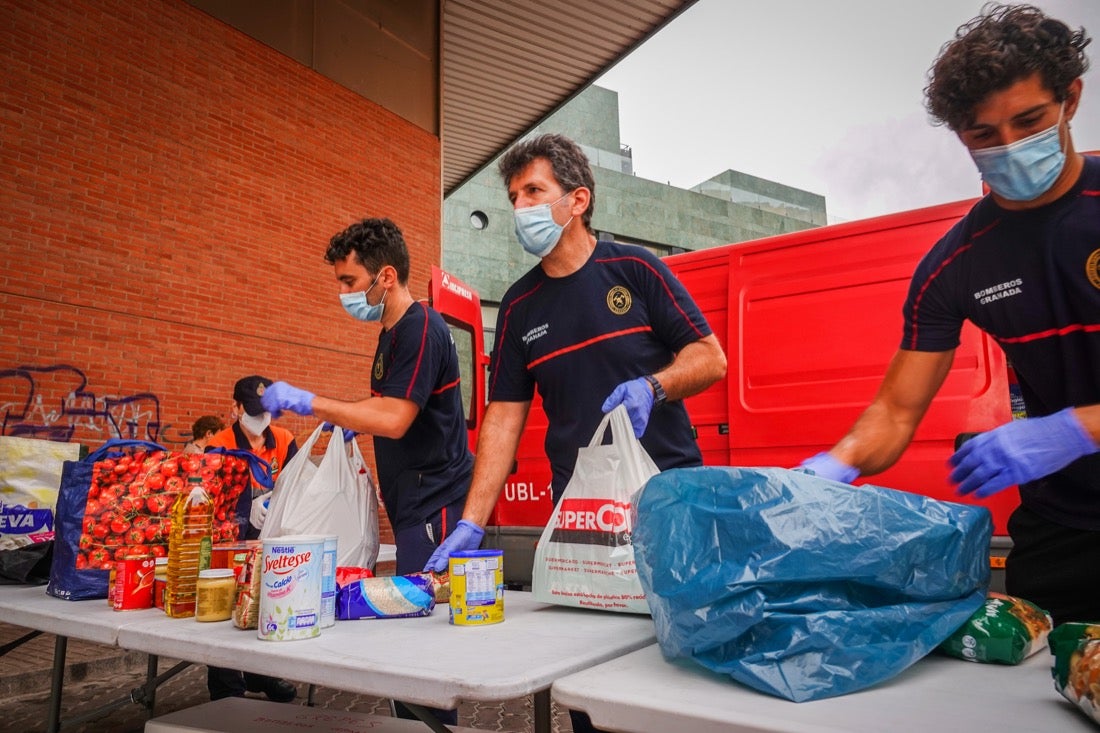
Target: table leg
{"points": [[150, 684], [541, 711], [426, 717], [57, 680]]}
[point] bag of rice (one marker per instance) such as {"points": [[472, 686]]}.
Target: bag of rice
{"points": [[1076, 650], [1005, 630]]}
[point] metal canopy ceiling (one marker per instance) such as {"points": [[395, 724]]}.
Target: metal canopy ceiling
{"points": [[508, 64]]}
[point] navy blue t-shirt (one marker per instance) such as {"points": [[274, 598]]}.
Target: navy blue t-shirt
{"points": [[1030, 279], [430, 466], [621, 316]]}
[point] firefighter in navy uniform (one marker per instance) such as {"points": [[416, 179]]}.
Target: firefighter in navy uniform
{"points": [[1024, 266], [592, 326]]}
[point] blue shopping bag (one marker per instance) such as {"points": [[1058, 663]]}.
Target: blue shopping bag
{"points": [[799, 586], [71, 578]]}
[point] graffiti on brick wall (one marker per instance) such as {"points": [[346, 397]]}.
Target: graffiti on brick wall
{"points": [[56, 403]]}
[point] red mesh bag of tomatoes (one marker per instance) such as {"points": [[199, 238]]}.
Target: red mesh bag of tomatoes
{"points": [[117, 502]]}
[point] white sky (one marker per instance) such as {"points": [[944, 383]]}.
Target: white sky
{"points": [[823, 95]]}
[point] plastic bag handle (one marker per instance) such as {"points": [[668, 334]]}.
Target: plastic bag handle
{"points": [[261, 469], [621, 429], [115, 445]]}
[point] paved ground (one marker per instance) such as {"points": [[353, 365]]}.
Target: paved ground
{"points": [[96, 675]]}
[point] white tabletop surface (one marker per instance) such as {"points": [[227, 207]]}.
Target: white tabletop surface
{"points": [[642, 693], [93, 620], [422, 660]]}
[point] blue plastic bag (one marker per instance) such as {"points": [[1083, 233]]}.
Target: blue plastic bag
{"points": [[802, 587]]}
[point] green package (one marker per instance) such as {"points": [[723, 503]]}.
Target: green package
{"points": [[1005, 630], [1076, 650]]}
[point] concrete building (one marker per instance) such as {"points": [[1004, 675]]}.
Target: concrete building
{"points": [[479, 242]]}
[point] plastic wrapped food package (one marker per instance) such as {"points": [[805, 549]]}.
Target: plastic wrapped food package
{"points": [[1076, 650], [399, 596], [1005, 630], [802, 587]]}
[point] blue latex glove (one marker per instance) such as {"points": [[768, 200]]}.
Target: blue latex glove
{"points": [[466, 536], [637, 395], [1020, 451], [281, 396], [348, 434], [826, 466]]}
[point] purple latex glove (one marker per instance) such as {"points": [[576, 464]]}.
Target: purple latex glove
{"points": [[281, 396], [466, 536], [637, 396], [348, 434], [826, 466], [1020, 451]]}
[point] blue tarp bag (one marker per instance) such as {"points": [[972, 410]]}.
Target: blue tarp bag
{"points": [[799, 586]]}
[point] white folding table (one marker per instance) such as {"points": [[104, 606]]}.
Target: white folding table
{"points": [[642, 693], [424, 661], [94, 621]]}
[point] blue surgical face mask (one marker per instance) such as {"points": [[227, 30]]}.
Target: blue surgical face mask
{"points": [[1026, 169], [357, 306], [536, 229]]}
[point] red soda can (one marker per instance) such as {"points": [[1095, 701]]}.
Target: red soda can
{"points": [[134, 582]]}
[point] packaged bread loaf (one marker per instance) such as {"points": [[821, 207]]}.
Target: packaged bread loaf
{"points": [[1004, 630], [1076, 650]]}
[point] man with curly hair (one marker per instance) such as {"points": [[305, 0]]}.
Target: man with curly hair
{"points": [[1024, 266]]}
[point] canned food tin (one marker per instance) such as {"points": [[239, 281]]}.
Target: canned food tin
{"points": [[477, 587], [133, 583], [290, 588]]}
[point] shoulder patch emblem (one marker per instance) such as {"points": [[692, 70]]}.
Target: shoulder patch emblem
{"points": [[1092, 268], [379, 370], [619, 300]]}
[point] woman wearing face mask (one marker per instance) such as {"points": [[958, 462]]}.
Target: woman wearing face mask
{"points": [[252, 431]]}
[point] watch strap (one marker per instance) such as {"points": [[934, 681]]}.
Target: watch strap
{"points": [[659, 396]]}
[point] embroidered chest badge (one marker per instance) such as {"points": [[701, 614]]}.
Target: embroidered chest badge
{"points": [[1092, 268], [379, 370], [619, 300]]}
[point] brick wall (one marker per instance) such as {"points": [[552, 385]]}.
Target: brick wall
{"points": [[167, 188]]}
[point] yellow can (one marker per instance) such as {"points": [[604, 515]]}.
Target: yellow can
{"points": [[477, 587]]}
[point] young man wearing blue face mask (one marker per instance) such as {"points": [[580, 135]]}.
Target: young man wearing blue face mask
{"points": [[414, 410], [1024, 266]]}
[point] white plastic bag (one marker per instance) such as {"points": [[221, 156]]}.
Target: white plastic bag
{"points": [[585, 557], [336, 497], [30, 474]]}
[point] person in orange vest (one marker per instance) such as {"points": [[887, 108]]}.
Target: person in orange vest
{"points": [[252, 431]]}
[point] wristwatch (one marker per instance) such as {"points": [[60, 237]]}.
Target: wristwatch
{"points": [[659, 396]]}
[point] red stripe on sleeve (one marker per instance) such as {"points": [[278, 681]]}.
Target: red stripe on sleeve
{"points": [[504, 330], [935, 274], [419, 356]]}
